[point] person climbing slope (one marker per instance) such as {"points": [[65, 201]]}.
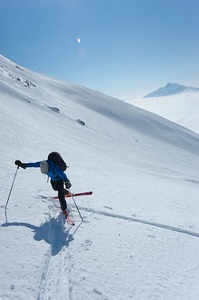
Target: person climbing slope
{"points": [[54, 167]]}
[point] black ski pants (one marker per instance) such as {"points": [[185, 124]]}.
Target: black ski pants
{"points": [[59, 186]]}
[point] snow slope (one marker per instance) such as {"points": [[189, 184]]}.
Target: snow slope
{"points": [[182, 108], [140, 234]]}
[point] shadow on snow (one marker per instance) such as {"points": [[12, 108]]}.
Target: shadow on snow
{"points": [[52, 232]]}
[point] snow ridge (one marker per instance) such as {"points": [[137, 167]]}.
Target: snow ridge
{"points": [[171, 89]]}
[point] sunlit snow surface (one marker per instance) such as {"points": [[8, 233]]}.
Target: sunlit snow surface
{"points": [[140, 235]]}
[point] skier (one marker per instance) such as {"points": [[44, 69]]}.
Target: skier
{"points": [[58, 178]]}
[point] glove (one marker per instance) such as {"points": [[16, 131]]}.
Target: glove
{"points": [[68, 184], [20, 164]]}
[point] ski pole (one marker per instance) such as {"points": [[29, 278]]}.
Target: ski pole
{"points": [[11, 187], [76, 206]]}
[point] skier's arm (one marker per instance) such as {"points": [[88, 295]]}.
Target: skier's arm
{"points": [[33, 165], [27, 165]]}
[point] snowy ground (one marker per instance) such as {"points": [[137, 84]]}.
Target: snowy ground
{"points": [[140, 235], [182, 108]]}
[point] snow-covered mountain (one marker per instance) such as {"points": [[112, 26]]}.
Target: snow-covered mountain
{"points": [[140, 233], [181, 108], [171, 89]]}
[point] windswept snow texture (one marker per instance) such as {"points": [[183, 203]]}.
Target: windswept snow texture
{"points": [[140, 235]]}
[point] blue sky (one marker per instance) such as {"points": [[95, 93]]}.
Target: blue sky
{"points": [[127, 49]]}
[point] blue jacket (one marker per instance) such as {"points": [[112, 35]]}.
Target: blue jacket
{"points": [[54, 172]]}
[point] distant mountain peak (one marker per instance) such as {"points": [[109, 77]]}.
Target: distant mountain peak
{"points": [[171, 89]]}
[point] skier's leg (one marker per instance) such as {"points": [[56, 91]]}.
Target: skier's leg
{"points": [[59, 186], [62, 199], [61, 195]]}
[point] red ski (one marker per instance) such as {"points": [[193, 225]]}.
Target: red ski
{"points": [[76, 194]]}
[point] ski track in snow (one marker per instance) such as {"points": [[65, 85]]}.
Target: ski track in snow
{"points": [[118, 252], [55, 276], [137, 220]]}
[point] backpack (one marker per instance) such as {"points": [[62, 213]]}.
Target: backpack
{"points": [[58, 160]]}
